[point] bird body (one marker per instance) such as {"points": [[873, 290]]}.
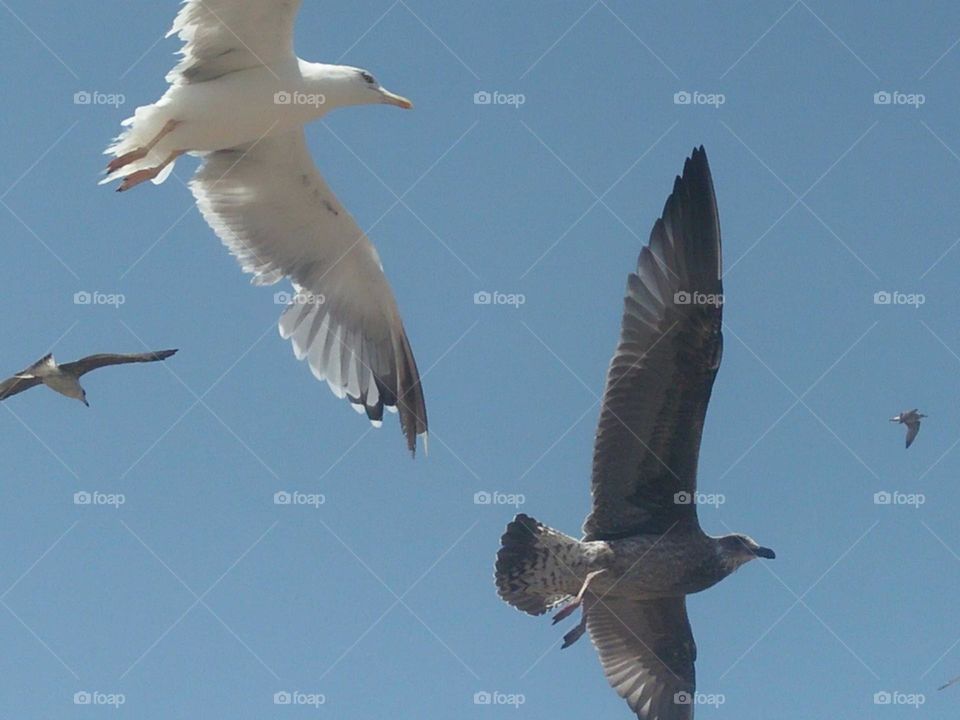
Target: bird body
{"points": [[65, 379], [677, 564], [238, 108], [910, 418], [643, 550], [47, 371]]}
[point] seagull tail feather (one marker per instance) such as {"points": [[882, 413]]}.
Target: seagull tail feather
{"points": [[537, 566]]}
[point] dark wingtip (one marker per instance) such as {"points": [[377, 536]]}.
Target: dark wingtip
{"points": [[411, 403]]}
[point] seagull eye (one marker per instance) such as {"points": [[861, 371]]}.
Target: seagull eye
{"points": [[369, 78]]}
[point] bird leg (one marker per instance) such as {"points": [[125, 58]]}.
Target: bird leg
{"points": [[141, 176], [571, 637], [142, 152], [578, 600]]}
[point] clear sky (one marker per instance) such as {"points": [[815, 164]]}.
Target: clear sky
{"points": [[200, 597]]}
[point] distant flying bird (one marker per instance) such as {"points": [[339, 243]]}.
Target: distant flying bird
{"points": [[910, 418], [643, 550], [949, 683], [65, 379], [239, 98]]}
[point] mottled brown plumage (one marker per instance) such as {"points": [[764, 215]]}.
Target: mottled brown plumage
{"points": [[643, 550]]}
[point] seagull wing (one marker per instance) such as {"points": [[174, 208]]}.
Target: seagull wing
{"points": [[27, 378], [223, 36], [13, 385], [913, 427], [647, 652], [274, 212], [662, 372], [92, 362]]}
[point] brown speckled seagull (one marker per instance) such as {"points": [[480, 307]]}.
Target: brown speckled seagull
{"points": [[643, 550]]}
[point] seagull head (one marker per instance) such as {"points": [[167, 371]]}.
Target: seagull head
{"points": [[736, 550], [343, 85]]}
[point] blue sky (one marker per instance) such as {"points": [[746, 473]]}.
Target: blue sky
{"points": [[201, 597]]}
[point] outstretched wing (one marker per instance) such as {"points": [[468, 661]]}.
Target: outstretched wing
{"points": [[27, 378], [912, 429], [647, 652], [92, 362], [12, 386], [223, 36], [661, 375], [271, 208]]}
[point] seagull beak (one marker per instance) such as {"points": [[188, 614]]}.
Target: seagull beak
{"points": [[766, 553], [390, 99]]}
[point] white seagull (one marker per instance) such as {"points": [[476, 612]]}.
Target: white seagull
{"points": [[65, 379], [239, 98]]}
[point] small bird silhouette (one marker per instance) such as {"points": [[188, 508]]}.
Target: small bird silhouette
{"points": [[65, 379], [948, 684], [910, 418]]}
